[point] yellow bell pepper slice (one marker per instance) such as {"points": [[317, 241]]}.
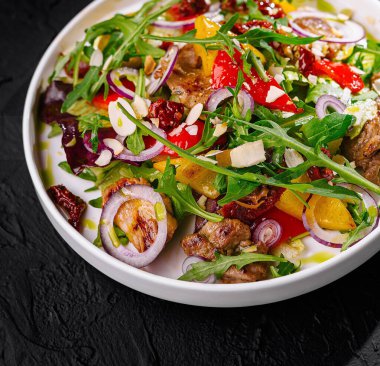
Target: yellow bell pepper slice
{"points": [[207, 28], [290, 204], [285, 5], [197, 177], [331, 214]]}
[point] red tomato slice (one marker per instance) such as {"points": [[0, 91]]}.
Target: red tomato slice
{"points": [[183, 139], [291, 226]]}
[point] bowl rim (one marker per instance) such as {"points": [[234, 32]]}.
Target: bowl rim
{"points": [[106, 259]]}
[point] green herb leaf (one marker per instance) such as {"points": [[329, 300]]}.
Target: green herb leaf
{"points": [[330, 128], [201, 270], [236, 189], [97, 202], [182, 196], [135, 142], [86, 174]]}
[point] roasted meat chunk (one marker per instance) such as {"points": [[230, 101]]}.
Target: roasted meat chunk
{"points": [[187, 81], [137, 217], [222, 236], [364, 150]]}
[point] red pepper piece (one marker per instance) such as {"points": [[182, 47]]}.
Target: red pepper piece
{"points": [[101, 103], [225, 73], [339, 72]]}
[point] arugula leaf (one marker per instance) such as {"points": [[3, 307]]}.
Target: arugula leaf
{"points": [[236, 189], [182, 196], [208, 139], [220, 183], [60, 64], [201, 270], [367, 219], [330, 128], [86, 174], [283, 269], [131, 28], [146, 49], [135, 142]]}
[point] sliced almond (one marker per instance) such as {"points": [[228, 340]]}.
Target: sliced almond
{"points": [[104, 158], [192, 130], [116, 146], [140, 107], [96, 58], [220, 129], [194, 114], [248, 154], [119, 121]]}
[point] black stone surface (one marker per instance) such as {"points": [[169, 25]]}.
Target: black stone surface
{"points": [[55, 309]]}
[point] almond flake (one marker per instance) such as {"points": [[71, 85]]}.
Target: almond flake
{"points": [[104, 158], [194, 114]]}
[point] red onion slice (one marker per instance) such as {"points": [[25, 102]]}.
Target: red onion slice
{"points": [[332, 238], [245, 100], [113, 79], [147, 154], [326, 101], [167, 24], [267, 232], [351, 32], [169, 61], [186, 266], [107, 233]]}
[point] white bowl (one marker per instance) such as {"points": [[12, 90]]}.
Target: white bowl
{"points": [[162, 283]]}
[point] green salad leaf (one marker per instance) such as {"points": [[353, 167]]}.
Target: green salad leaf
{"points": [[201, 270]]}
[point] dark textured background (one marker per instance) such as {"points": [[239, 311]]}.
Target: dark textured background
{"points": [[55, 309]]}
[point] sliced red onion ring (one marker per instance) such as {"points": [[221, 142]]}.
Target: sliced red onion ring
{"points": [[108, 235], [326, 101], [113, 79], [186, 266], [351, 32], [169, 61], [147, 154], [267, 232], [218, 96], [167, 24], [333, 238]]}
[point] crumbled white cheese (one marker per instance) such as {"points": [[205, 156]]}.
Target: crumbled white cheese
{"points": [[194, 114], [276, 72], [115, 145], [176, 131], [363, 111], [119, 121], [248, 154], [273, 94], [292, 158], [346, 96], [104, 158], [312, 79]]}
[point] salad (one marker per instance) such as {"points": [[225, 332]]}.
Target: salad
{"points": [[260, 119]]}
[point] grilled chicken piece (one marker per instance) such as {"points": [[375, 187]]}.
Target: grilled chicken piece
{"points": [[223, 236], [137, 217], [364, 150], [187, 80], [250, 273]]}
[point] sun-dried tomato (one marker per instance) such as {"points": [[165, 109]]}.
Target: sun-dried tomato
{"points": [[232, 6], [168, 112], [268, 7], [316, 173], [187, 9], [306, 61], [240, 28], [261, 200], [72, 205]]}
